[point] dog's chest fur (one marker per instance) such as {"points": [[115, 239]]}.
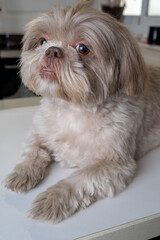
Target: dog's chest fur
{"points": [[75, 135]]}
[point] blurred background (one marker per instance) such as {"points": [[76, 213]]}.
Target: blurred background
{"points": [[142, 17]]}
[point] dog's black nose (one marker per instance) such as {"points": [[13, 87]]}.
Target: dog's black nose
{"points": [[54, 52]]}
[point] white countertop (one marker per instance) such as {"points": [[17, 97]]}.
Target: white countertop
{"points": [[141, 199]]}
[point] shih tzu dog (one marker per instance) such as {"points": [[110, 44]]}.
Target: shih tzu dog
{"points": [[100, 110]]}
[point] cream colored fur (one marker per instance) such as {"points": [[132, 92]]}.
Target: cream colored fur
{"points": [[100, 112]]}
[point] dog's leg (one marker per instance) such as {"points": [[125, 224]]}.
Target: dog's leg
{"points": [[32, 169], [81, 189]]}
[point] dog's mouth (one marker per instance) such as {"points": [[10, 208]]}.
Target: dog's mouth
{"points": [[48, 73]]}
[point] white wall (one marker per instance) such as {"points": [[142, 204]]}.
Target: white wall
{"points": [[16, 13]]}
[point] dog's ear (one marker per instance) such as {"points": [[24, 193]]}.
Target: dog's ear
{"points": [[130, 67], [125, 69]]}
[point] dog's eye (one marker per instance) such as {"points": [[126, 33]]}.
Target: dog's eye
{"points": [[42, 41], [82, 49]]}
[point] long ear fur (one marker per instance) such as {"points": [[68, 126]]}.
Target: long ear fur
{"points": [[133, 71], [130, 71]]}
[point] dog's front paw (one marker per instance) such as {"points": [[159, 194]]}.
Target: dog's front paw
{"points": [[23, 178], [55, 204]]}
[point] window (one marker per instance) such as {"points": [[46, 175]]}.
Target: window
{"points": [[133, 8], [153, 8], [140, 15]]}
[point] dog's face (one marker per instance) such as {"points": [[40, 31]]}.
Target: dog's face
{"points": [[82, 55]]}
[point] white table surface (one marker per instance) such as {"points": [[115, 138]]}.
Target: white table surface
{"points": [[139, 200]]}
